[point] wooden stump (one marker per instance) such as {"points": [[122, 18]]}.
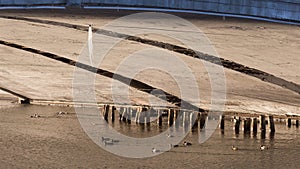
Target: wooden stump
{"points": [[202, 120], [106, 111], [263, 123], [113, 109], [159, 118], [272, 125], [255, 125], [222, 124], [289, 122], [170, 117]]}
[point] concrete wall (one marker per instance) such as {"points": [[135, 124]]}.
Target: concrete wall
{"points": [[280, 9], [31, 2]]}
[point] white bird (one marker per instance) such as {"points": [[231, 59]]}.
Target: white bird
{"points": [[154, 150], [35, 116], [263, 147], [61, 113], [185, 143], [170, 135], [90, 44], [234, 148]]}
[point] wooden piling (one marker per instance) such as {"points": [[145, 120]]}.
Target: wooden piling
{"points": [[247, 125], [170, 117], [120, 113], [142, 116], [289, 122], [222, 124], [272, 125], [113, 109], [148, 115], [124, 114], [106, 111], [297, 123], [184, 120], [255, 125], [137, 114], [263, 123], [192, 120], [128, 115], [202, 120], [237, 121], [263, 126], [196, 125], [176, 118], [159, 118]]}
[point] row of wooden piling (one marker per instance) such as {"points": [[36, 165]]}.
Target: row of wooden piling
{"points": [[187, 119], [142, 115]]}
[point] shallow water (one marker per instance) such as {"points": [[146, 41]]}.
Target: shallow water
{"points": [[59, 141]]}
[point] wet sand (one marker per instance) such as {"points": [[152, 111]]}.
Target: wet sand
{"points": [[58, 141]]}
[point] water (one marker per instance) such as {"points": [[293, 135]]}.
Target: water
{"points": [[57, 141]]}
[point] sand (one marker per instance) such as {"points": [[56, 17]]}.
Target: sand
{"points": [[59, 142]]}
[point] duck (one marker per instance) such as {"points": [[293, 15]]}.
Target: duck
{"points": [[185, 143], [263, 147], [108, 143], [173, 145], [105, 139], [170, 135], [154, 150], [35, 116], [115, 141], [234, 148], [61, 113]]}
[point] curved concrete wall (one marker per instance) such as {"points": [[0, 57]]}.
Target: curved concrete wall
{"points": [[278, 9]]}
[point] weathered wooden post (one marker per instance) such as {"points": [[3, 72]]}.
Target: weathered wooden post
{"points": [[128, 115], [113, 109], [148, 115], [263, 126], [142, 116], [137, 115], [106, 111], [170, 117], [272, 125], [237, 121], [196, 125], [192, 120], [247, 125], [176, 118], [255, 125], [159, 118], [124, 114], [202, 120], [184, 119], [222, 124], [289, 122], [263, 123], [120, 113], [297, 123]]}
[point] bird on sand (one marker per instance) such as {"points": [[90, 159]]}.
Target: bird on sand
{"points": [[263, 147], [154, 150], [185, 143], [234, 148]]}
